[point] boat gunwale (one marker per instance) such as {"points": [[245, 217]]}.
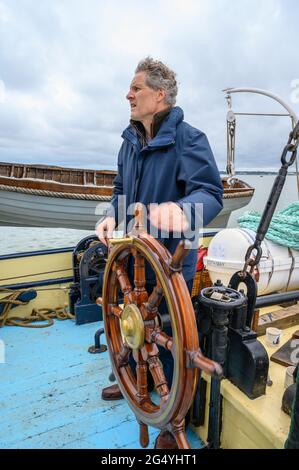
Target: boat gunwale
{"points": [[40, 185], [78, 190], [39, 166], [27, 254]]}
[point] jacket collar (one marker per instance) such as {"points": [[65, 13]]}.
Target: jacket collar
{"points": [[163, 129]]}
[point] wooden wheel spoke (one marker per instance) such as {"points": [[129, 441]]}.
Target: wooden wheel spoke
{"points": [[156, 369], [151, 353], [154, 299], [162, 339], [124, 282], [139, 269], [140, 292], [141, 373], [149, 329], [123, 279], [115, 310], [139, 296], [122, 358]]}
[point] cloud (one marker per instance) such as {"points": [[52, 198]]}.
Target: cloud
{"points": [[2, 92], [65, 68]]}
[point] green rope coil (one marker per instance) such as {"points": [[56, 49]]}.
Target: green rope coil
{"points": [[283, 229]]}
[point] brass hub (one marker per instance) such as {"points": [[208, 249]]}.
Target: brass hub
{"points": [[132, 327]]}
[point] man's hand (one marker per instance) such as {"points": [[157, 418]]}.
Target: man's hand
{"points": [[105, 229], [168, 216]]}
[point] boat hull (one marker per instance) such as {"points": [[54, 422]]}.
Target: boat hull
{"points": [[27, 210], [50, 196], [31, 210]]}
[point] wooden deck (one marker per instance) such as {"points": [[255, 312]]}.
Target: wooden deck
{"points": [[50, 393]]}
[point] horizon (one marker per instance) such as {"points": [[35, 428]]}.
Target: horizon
{"points": [[262, 170]]}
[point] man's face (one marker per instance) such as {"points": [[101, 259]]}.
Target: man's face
{"points": [[144, 101]]}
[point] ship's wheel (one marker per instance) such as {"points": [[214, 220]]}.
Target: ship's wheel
{"points": [[132, 326]]}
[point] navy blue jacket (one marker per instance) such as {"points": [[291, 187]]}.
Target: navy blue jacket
{"points": [[176, 165]]}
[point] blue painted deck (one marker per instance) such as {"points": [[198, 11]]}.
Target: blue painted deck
{"points": [[50, 393]]}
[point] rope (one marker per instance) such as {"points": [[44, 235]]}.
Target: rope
{"points": [[94, 197], [297, 174], [43, 192], [249, 192], [283, 229], [37, 315]]}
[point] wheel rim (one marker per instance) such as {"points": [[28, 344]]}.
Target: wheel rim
{"points": [[177, 298]]}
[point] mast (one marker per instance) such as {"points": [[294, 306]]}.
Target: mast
{"points": [[231, 124]]}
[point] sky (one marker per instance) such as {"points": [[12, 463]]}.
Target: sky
{"points": [[66, 65]]}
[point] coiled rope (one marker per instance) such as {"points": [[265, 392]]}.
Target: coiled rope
{"points": [[284, 226], [37, 315]]}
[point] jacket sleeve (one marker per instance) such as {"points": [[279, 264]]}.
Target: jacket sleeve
{"points": [[199, 177], [112, 210]]}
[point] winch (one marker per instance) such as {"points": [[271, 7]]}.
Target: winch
{"points": [[223, 315], [226, 338], [89, 260]]}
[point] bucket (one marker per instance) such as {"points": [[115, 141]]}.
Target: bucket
{"points": [[278, 268]]}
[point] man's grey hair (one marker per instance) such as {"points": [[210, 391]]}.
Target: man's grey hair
{"points": [[158, 76]]}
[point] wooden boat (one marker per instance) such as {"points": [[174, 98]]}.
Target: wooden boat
{"points": [[50, 196]]}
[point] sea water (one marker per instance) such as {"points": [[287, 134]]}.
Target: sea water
{"points": [[22, 239]]}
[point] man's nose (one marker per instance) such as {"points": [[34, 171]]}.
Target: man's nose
{"points": [[130, 95]]}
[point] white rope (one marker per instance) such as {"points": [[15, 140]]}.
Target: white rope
{"points": [[238, 194], [42, 192], [96, 197]]}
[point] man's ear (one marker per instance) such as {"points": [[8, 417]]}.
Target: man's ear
{"points": [[161, 95]]}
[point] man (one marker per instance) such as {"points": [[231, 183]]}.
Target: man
{"points": [[166, 161]]}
